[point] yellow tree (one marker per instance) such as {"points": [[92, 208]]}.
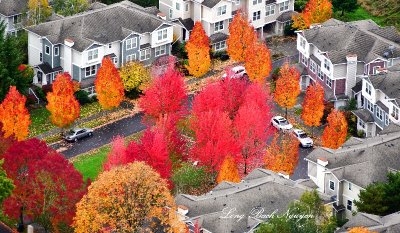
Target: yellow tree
{"points": [[198, 49], [130, 198], [241, 36], [316, 11], [108, 85], [62, 104], [14, 116], [228, 171], [38, 11], [258, 62], [282, 154], [135, 76], [287, 87]]}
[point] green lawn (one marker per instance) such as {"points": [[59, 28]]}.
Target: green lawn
{"points": [[359, 14], [91, 163], [41, 122]]}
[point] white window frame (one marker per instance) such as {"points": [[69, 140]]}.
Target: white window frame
{"points": [[93, 54], [328, 81], [219, 45], [56, 51], [369, 105], [256, 15], [255, 2], [331, 181], [313, 67], [131, 43], [387, 120], [361, 123], [284, 6], [162, 34], [304, 60], [109, 45], [395, 113], [177, 6], [41, 57], [46, 47], [145, 54], [379, 113], [219, 26], [115, 60], [186, 7], [237, 2], [160, 51], [270, 9], [319, 73], [92, 71], [130, 57], [368, 88], [170, 13], [221, 10], [327, 65], [350, 186], [351, 205]]}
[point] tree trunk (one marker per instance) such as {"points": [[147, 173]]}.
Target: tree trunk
{"points": [[342, 12], [286, 113]]}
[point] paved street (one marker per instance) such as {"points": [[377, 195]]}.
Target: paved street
{"points": [[301, 169]]}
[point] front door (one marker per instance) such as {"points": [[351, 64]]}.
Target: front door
{"points": [[39, 77]]}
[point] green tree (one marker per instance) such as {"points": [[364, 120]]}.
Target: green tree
{"points": [[10, 74], [189, 178], [299, 5], [392, 192], [344, 5], [315, 218], [6, 186], [70, 7]]}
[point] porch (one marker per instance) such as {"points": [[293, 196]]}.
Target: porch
{"points": [[45, 75]]}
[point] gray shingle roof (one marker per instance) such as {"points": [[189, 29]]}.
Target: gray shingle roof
{"points": [[105, 25], [363, 163], [382, 106], [13, 7], [270, 2], [260, 189], [210, 3], [339, 39], [358, 87], [4, 228], [286, 16], [187, 23], [389, 33], [217, 37], [387, 224], [388, 83], [364, 115], [391, 128]]}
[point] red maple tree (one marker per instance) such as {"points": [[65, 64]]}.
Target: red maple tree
{"points": [[152, 149], [108, 84], [117, 155], [47, 186], [14, 116], [213, 138], [62, 104], [166, 94]]}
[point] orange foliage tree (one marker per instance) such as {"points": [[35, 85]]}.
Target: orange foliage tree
{"points": [[198, 49], [62, 104], [287, 87], [241, 37], [316, 11], [108, 84], [14, 116], [282, 155], [360, 230], [258, 62], [228, 171], [313, 106], [335, 133], [130, 198]]}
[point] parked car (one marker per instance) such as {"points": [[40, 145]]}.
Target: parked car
{"points": [[304, 139], [237, 72], [281, 123], [77, 133]]}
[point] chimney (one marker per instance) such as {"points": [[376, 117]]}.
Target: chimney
{"points": [[381, 70], [322, 161], [351, 75], [182, 210], [69, 42], [161, 16], [283, 174]]}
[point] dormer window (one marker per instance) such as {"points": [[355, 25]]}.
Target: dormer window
{"points": [[162, 34], [368, 88], [327, 65], [221, 10], [93, 54]]}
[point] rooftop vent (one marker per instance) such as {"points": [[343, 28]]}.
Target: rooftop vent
{"points": [[69, 42], [322, 161]]}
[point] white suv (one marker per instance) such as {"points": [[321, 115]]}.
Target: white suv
{"points": [[236, 72], [305, 141], [281, 123]]}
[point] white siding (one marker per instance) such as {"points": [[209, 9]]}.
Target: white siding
{"points": [[154, 37], [34, 49]]}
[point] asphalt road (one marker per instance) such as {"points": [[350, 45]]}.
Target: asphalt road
{"points": [[133, 124]]}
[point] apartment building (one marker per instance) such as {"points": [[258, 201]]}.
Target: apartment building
{"points": [[123, 31], [11, 14], [267, 16], [337, 55]]}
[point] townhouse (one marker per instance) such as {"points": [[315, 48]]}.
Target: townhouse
{"points": [[388, 224], [267, 16], [343, 173], [338, 54], [378, 100], [242, 207], [123, 31], [11, 13]]}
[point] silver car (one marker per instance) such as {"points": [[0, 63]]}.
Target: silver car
{"points": [[75, 134]]}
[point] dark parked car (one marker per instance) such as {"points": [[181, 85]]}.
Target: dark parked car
{"points": [[75, 134]]}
